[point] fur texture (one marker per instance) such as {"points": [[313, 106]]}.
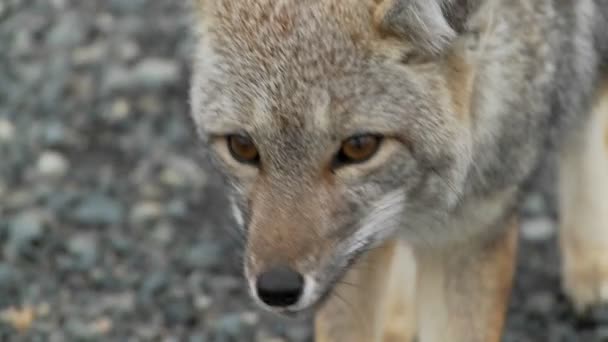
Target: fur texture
{"points": [[469, 95]]}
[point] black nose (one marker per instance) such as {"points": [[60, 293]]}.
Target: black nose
{"points": [[280, 286]]}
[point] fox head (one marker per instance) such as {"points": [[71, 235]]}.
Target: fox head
{"points": [[339, 124]]}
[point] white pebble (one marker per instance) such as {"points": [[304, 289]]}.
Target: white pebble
{"points": [[7, 130], [538, 229], [52, 164]]}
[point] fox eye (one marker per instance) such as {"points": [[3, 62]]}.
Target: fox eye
{"points": [[358, 149], [243, 149]]}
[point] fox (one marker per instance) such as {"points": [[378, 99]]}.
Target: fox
{"points": [[377, 152]]}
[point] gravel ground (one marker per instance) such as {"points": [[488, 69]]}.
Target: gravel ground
{"points": [[113, 228]]}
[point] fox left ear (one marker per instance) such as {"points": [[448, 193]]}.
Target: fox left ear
{"points": [[422, 22]]}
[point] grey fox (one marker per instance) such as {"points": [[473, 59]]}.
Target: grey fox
{"points": [[378, 149]]}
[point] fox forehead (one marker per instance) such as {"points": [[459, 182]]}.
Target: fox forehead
{"points": [[261, 57]]}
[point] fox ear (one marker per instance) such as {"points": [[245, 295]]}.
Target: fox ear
{"points": [[423, 22]]}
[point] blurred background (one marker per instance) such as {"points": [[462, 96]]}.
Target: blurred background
{"points": [[112, 226]]}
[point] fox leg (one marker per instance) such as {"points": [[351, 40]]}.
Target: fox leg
{"points": [[584, 210], [374, 302], [463, 291]]}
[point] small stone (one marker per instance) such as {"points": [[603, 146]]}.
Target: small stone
{"points": [[150, 104], [202, 302], [197, 338], [154, 283], [68, 32], [79, 330], [163, 233], [535, 204], [9, 276], [128, 50], [230, 325], [54, 134], [120, 243], [90, 54], [7, 131], [537, 229], [250, 318], [177, 208], [99, 209], [146, 212], [299, 333], [25, 229], [121, 302], [119, 111], [183, 172], [83, 249], [130, 6], [541, 303], [101, 326], [179, 311], [52, 165], [43, 309], [156, 72], [203, 255], [116, 79]]}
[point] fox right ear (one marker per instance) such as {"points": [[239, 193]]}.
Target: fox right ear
{"points": [[422, 22]]}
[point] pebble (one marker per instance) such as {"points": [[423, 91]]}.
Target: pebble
{"points": [[26, 228], [299, 333], [128, 50], [156, 72], [9, 276], [202, 302], [83, 248], [120, 111], [7, 131], [55, 134], [90, 54], [535, 204], [120, 302], [203, 255], [99, 209], [80, 330], [68, 32], [230, 325], [145, 212], [183, 172], [177, 208], [541, 303], [154, 283], [538, 229], [131, 6], [116, 79], [52, 164], [163, 233], [179, 311], [197, 338]]}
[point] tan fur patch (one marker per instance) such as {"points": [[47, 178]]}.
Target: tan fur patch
{"points": [[584, 210], [463, 296], [460, 80]]}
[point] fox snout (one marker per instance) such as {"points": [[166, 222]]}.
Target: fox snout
{"points": [[288, 241]]}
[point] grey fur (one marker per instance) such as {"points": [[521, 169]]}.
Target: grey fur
{"points": [[536, 67]]}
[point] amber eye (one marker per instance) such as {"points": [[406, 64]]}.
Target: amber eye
{"points": [[243, 149], [358, 149]]}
